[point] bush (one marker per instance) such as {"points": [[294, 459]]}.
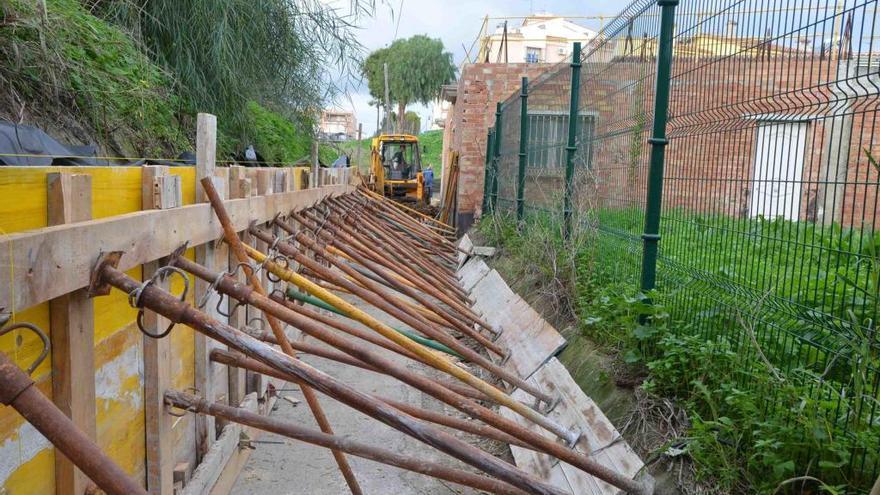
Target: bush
{"points": [[761, 414]]}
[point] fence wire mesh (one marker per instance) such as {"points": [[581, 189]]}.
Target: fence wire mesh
{"points": [[770, 190]]}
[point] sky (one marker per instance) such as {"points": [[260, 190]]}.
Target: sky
{"points": [[455, 22]]}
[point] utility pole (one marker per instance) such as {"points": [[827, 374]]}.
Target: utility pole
{"points": [[358, 147], [316, 175], [385, 128]]}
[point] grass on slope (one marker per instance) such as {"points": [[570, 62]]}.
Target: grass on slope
{"points": [[70, 62], [770, 394]]}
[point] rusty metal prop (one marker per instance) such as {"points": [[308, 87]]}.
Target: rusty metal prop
{"points": [[412, 226], [431, 387], [391, 257], [370, 213], [386, 275], [379, 298], [239, 361], [353, 221], [345, 444], [156, 299], [443, 249], [18, 391], [427, 221], [343, 358], [235, 245]]}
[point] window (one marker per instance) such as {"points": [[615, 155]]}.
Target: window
{"points": [[548, 136], [533, 55]]}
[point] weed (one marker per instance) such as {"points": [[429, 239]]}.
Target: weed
{"points": [[779, 381]]}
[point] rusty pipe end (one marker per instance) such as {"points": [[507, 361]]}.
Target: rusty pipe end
{"points": [[97, 285], [13, 381]]}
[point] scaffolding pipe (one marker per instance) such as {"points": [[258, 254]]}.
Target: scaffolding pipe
{"points": [[177, 311], [419, 465], [231, 287], [468, 426], [381, 302], [314, 301], [235, 246], [17, 390]]}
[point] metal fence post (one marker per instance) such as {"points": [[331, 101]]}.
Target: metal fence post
{"points": [[571, 146], [658, 141], [488, 173], [523, 150], [496, 156]]}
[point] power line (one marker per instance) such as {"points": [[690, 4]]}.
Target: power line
{"points": [[399, 15]]}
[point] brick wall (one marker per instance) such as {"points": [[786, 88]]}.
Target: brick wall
{"points": [[480, 87], [716, 109]]}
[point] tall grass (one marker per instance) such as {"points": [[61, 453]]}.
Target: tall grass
{"points": [[779, 384], [287, 55]]}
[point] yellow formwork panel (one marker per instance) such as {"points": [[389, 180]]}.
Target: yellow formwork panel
{"points": [[301, 178], [26, 459]]}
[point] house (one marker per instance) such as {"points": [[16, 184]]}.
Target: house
{"points": [[337, 125], [541, 38]]}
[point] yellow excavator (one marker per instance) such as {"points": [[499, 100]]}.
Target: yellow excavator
{"points": [[396, 168]]}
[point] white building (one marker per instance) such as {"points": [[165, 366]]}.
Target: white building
{"points": [[439, 110], [541, 38], [337, 125]]}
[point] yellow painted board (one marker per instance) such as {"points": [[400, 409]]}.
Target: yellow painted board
{"points": [[118, 344]]}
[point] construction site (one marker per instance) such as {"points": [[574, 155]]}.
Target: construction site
{"points": [[628, 252]]}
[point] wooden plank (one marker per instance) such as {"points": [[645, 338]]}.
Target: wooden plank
{"points": [[465, 244], [72, 333], [542, 466], [530, 338], [600, 439], [216, 460], [230, 473], [206, 255], [157, 369], [41, 266], [472, 272]]}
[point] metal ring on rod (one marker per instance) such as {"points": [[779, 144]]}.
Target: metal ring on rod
{"points": [[134, 298], [40, 333]]}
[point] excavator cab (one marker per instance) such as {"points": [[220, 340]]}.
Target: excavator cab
{"points": [[396, 168]]}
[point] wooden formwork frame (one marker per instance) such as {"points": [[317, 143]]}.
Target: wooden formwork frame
{"points": [[53, 265]]}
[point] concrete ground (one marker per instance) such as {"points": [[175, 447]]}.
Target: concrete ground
{"points": [[282, 466]]}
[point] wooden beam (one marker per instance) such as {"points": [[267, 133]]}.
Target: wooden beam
{"points": [[72, 324], [206, 255], [41, 264], [157, 369]]}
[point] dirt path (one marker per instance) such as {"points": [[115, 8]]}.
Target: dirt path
{"points": [[282, 466]]}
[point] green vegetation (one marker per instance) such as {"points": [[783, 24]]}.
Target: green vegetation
{"points": [[223, 54], [68, 61], [432, 149], [277, 139], [129, 75], [417, 67], [775, 394]]}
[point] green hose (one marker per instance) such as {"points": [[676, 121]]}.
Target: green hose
{"points": [[314, 301]]}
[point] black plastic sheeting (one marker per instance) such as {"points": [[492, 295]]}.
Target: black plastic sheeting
{"points": [[24, 145]]}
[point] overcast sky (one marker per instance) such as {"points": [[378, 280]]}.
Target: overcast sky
{"points": [[455, 22]]}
